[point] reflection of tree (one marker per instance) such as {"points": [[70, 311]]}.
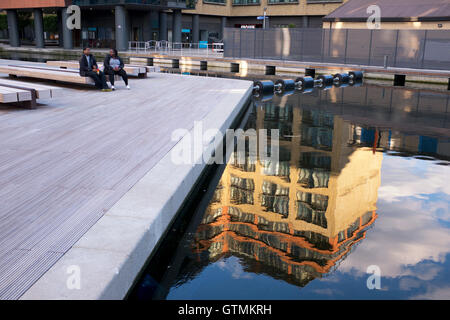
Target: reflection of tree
{"points": [[190, 4]]}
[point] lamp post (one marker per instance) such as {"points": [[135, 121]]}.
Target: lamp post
{"points": [[264, 20]]}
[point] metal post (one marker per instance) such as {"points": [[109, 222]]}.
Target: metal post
{"points": [[370, 47], [346, 45], [13, 28], [223, 24], [163, 26], [195, 28], [60, 28], [176, 26], [262, 46], [254, 43], [38, 28], [121, 28], [67, 33], [240, 43], [396, 48], [264, 20], [424, 47]]}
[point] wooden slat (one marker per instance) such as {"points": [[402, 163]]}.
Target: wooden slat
{"points": [[45, 74], [7, 96], [43, 92], [22, 95]]}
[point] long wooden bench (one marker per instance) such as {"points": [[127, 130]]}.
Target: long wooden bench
{"points": [[49, 73], [25, 93], [45, 73], [132, 70]]}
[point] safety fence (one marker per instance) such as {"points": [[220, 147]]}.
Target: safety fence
{"points": [[177, 48], [423, 49]]}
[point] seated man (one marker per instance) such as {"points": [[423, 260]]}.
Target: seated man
{"points": [[89, 68], [114, 66]]}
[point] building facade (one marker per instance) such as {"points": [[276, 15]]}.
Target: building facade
{"points": [[116, 22]]}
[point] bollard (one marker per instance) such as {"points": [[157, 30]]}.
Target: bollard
{"points": [[310, 72], [270, 70], [399, 80]]}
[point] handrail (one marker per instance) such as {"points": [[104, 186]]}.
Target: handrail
{"points": [[176, 48]]}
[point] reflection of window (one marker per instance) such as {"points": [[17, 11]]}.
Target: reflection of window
{"points": [[365, 219], [315, 160], [311, 208], [317, 137], [280, 118], [211, 215], [318, 118], [237, 215], [248, 164], [275, 198], [241, 190], [280, 168], [353, 227], [318, 240], [264, 224], [217, 194], [313, 178]]}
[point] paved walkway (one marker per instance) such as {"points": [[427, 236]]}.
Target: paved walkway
{"points": [[65, 164]]}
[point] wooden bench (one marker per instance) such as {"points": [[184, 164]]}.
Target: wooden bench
{"points": [[132, 70], [49, 73], [25, 93]]}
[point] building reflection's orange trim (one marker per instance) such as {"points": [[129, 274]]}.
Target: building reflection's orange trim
{"points": [[289, 239], [225, 220]]}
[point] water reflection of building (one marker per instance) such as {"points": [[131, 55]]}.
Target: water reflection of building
{"points": [[404, 119], [299, 220]]}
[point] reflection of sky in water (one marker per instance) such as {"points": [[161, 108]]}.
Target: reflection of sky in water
{"points": [[409, 241]]}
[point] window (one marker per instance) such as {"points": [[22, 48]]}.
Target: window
{"points": [[282, 1], [246, 2], [215, 1], [322, 1]]}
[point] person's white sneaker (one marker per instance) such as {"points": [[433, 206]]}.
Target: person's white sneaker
{"points": [[113, 88], [128, 87]]}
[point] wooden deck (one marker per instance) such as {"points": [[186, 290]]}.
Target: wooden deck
{"points": [[63, 165]]}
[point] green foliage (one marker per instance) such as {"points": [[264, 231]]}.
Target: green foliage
{"points": [[24, 19], [291, 25], [190, 4], [3, 22], [51, 23]]}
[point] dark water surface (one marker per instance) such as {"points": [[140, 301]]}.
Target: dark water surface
{"points": [[363, 180]]}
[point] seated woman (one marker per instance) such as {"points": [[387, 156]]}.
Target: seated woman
{"points": [[113, 65]]}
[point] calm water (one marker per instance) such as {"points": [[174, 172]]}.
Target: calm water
{"points": [[362, 180]]}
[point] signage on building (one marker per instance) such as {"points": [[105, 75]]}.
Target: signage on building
{"points": [[248, 26]]}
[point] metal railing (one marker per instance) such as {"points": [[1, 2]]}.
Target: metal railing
{"points": [[418, 49], [177, 48]]}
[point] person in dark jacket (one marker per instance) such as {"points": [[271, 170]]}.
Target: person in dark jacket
{"points": [[113, 65], [89, 68]]}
